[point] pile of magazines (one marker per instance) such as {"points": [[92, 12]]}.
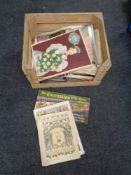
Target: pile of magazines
{"points": [[70, 53], [56, 115]]}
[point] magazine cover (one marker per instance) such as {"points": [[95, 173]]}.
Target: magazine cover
{"points": [[60, 55], [79, 105], [80, 109]]}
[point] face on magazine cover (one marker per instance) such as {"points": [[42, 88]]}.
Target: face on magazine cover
{"points": [[73, 50]]}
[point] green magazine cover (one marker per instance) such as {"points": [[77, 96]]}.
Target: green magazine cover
{"points": [[80, 105], [63, 96]]}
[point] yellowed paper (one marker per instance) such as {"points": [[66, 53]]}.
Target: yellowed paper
{"points": [[60, 107], [57, 138]]}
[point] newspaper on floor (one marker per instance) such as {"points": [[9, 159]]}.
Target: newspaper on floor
{"points": [[56, 108], [79, 105], [59, 139]]}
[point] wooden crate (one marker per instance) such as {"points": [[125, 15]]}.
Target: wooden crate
{"points": [[37, 23]]}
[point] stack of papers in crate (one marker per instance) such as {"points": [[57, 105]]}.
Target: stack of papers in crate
{"points": [[72, 52]]}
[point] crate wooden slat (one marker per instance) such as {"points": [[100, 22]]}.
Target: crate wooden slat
{"points": [[37, 23]]}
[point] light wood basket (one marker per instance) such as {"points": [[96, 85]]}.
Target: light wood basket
{"points": [[37, 23]]}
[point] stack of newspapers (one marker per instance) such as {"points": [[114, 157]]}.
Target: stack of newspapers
{"points": [[56, 115], [69, 53]]}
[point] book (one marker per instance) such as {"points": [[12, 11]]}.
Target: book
{"points": [[60, 55]]}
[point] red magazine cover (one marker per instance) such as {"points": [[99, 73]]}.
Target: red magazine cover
{"points": [[59, 55]]}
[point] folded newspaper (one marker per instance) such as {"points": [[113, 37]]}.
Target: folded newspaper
{"points": [[55, 115], [59, 139]]}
